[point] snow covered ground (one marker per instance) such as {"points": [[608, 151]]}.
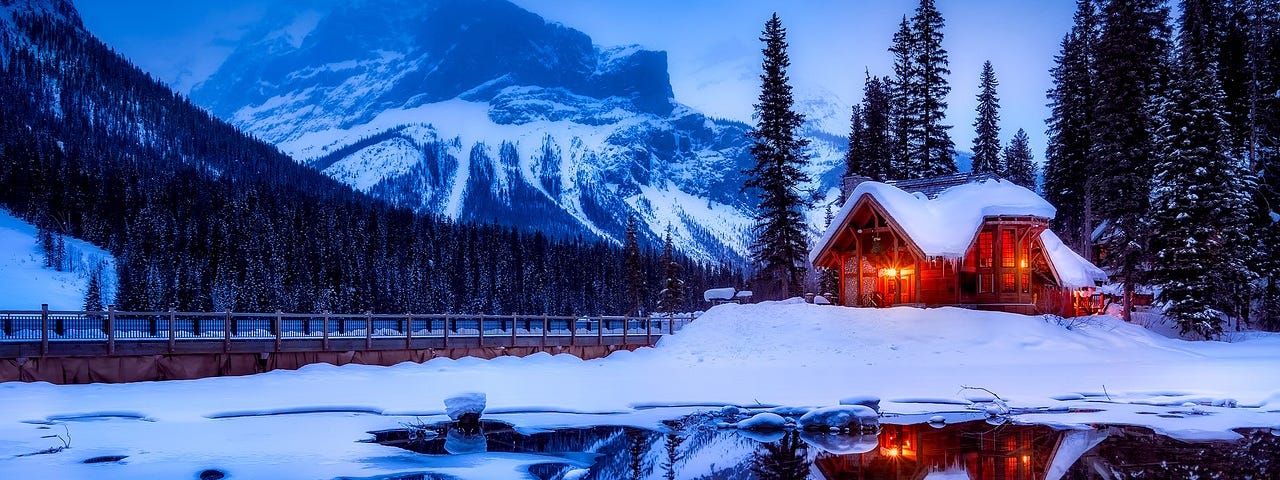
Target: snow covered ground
{"points": [[27, 283], [307, 423]]}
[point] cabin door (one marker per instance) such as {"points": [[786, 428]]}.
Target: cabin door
{"points": [[896, 287]]}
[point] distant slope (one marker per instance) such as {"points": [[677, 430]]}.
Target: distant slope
{"points": [[25, 282]]}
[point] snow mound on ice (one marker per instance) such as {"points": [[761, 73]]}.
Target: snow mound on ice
{"points": [[764, 421], [464, 403], [843, 417]]}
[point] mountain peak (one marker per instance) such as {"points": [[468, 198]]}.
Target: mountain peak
{"points": [[60, 9]]}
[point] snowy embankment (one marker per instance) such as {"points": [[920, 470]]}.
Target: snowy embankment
{"points": [[788, 354], [25, 282]]}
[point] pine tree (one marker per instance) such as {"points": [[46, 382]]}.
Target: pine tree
{"points": [[934, 149], [1132, 80], [1018, 165], [780, 243], [855, 162], [672, 296], [631, 267], [1201, 199], [93, 291], [1068, 164], [1262, 149], [905, 121], [986, 146], [870, 139]]}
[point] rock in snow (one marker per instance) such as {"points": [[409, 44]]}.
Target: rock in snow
{"points": [[464, 403], [764, 421], [843, 417]]}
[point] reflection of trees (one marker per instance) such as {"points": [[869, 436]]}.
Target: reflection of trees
{"points": [[638, 443], [672, 445], [787, 459], [1145, 455]]}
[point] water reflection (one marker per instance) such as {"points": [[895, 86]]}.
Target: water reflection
{"points": [[693, 448]]}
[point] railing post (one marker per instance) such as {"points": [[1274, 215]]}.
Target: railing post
{"points": [[599, 330], [446, 330], [480, 323], [44, 329], [368, 330], [111, 329], [573, 330], [226, 331], [277, 328], [8, 325], [626, 324], [648, 330], [408, 331], [546, 325], [324, 327], [513, 329], [172, 328], [671, 327], [153, 325]]}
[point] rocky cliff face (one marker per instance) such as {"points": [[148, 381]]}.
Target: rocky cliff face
{"points": [[480, 110]]}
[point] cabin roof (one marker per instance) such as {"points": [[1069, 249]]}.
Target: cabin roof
{"points": [[943, 226], [932, 186]]}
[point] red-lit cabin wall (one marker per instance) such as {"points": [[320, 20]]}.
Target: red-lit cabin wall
{"points": [[938, 282], [1004, 269]]}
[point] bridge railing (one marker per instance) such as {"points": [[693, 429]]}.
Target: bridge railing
{"points": [[84, 333]]}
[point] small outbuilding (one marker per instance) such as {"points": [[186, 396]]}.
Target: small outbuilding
{"points": [[984, 244]]}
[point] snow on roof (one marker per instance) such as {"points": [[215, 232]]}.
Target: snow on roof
{"points": [[1073, 270], [719, 294], [943, 226]]}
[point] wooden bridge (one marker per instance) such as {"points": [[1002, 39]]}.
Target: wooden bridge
{"points": [[31, 340]]}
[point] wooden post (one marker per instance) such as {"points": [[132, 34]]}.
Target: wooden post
{"points": [[626, 323], [648, 330], [324, 327], [480, 324], [513, 329], [671, 324], [446, 330], [546, 325], [277, 328], [226, 331], [368, 330], [44, 329], [573, 330], [111, 329], [408, 331], [599, 331], [172, 328], [919, 273]]}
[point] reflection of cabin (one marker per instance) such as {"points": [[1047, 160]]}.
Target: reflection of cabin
{"points": [[984, 244], [973, 450]]}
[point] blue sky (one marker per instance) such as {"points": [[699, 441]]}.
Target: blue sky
{"points": [[712, 45]]}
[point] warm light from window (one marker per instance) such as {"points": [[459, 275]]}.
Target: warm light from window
{"points": [[1024, 263], [888, 272], [1026, 459], [893, 452]]}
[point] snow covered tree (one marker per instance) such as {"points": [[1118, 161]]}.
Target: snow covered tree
{"points": [[1068, 162], [986, 146], [870, 139], [671, 298], [1132, 76], [1262, 147], [780, 245], [934, 149], [631, 267], [1018, 167], [1199, 206], [93, 291]]}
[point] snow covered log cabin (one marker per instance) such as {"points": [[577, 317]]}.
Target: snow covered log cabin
{"points": [[983, 244]]}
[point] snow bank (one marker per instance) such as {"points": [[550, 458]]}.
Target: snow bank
{"points": [[788, 354]]}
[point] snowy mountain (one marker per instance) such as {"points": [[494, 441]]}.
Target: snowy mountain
{"points": [[482, 111]]}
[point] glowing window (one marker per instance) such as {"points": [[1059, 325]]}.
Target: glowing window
{"points": [[1006, 283], [1006, 249], [985, 248]]}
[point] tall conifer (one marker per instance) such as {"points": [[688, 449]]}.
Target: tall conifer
{"points": [[986, 146], [1068, 162], [781, 243], [1132, 75], [934, 149], [1018, 165], [1201, 195]]}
